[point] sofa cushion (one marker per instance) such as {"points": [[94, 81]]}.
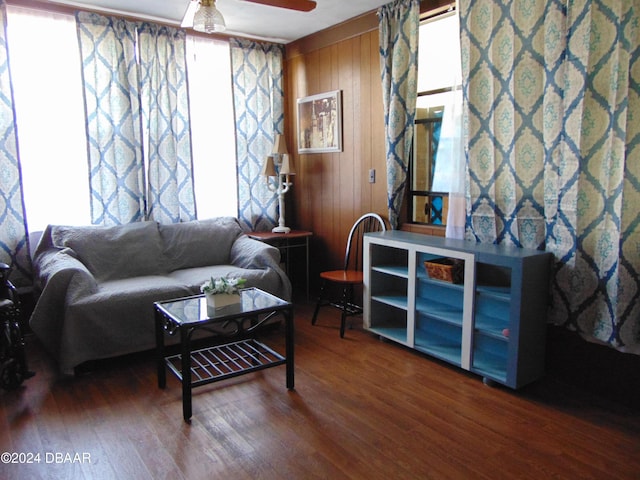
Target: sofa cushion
{"points": [[194, 277], [199, 243], [115, 252]]}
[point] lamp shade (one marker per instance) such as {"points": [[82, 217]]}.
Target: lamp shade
{"points": [[268, 168], [287, 167], [280, 145], [208, 18]]}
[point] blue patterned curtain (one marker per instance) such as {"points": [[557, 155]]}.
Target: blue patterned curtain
{"points": [[13, 232], [165, 115], [259, 110], [136, 98], [398, 31], [552, 95], [112, 102]]}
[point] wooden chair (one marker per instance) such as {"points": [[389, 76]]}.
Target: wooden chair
{"points": [[351, 275]]}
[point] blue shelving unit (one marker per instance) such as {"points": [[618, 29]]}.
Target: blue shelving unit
{"points": [[493, 323]]}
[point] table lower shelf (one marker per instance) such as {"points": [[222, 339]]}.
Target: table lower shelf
{"points": [[218, 362]]}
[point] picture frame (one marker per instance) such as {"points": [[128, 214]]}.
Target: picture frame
{"points": [[320, 123]]}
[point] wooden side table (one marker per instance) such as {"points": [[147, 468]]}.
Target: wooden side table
{"points": [[285, 242]]}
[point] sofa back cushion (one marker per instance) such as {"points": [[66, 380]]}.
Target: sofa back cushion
{"points": [[115, 252], [200, 242]]}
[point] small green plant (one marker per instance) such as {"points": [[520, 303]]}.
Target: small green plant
{"points": [[223, 285]]}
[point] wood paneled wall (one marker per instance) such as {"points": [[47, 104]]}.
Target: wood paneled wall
{"points": [[331, 190]]}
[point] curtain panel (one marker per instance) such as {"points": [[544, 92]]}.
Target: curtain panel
{"points": [[259, 115], [551, 90], [14, 246], [165, 116], [398, 28], [136, 101], [112, 106]]}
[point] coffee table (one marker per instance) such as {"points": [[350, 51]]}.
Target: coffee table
{"points": [[231, 348]]}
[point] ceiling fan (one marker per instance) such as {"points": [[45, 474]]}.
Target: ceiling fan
{"points": [[205, 17]]}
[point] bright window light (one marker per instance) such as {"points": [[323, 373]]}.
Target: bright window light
{"points": [[49, 107], [212, 127]]}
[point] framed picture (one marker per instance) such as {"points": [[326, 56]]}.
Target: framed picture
{"points": [[320, 123]]}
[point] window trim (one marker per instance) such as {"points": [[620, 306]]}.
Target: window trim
{"points": [[428, 16]]}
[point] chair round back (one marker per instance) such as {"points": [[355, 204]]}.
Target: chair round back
{"points": [[369, 222]]}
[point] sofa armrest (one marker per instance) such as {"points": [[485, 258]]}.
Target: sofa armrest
{"points": [[249, 253], [54, 267], [60, 279], [61, 267]]}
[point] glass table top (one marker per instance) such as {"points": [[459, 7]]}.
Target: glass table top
{"points": [[194, 309]]}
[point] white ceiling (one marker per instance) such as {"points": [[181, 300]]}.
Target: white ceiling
{"points": [[242, 17]]}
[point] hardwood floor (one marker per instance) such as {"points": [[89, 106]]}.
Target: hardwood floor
{"points": [[362, 409]]}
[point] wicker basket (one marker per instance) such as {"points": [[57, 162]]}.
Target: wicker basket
{"points": [[445, 269]]}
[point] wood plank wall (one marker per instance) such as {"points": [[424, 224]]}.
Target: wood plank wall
{"points": [[331, 190]]}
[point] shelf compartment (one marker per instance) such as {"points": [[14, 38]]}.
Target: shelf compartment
{"points": [[384, 257], [426, 282], [440, 339], [490, 357], [423, 278], [441, 293], [384, 284], [492, 314], [491, 326], [401, 271], [389, 321], [495, 277], [497, 292], [397, 301], [440, 311]]}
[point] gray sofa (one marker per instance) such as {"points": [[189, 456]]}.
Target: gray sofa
{"points": [[97, 285]]}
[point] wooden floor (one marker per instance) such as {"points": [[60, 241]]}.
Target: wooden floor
{"points": [[362, 409]]}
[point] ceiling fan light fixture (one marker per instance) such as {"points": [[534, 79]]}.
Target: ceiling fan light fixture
{"points": [[208, 18]]}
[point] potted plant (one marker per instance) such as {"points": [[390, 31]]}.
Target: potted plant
{"points": [[222, 291]]}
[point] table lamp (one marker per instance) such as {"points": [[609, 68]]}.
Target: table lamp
{"points": [[279, 164]]}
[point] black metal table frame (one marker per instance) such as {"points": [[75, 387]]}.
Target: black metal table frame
{"points": [[244, 356]]}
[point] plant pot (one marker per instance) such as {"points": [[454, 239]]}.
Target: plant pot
{"points": [[216, 301]]}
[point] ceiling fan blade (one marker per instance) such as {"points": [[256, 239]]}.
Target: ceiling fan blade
{"points": [[187, 19], [300, 5]]}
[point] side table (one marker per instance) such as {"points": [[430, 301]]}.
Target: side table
{"points": [[285, 242], [238, 354]]}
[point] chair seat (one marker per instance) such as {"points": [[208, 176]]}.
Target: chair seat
{"points": [[343, 276]]}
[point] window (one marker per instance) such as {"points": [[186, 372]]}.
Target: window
{"points": [[52, 142], [212, 127], [52, 139], [439, 75]]}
